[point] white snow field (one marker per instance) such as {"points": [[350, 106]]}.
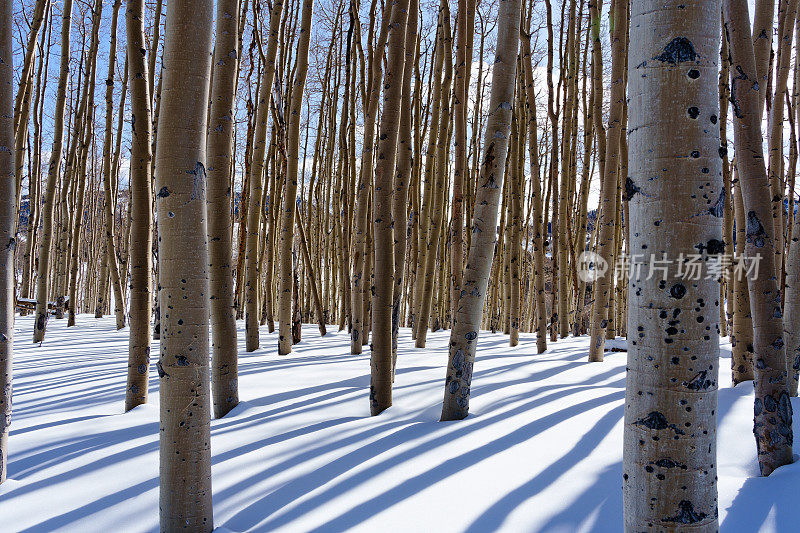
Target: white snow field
{"points": [[540, 451]]}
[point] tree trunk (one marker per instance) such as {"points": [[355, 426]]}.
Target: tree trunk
{"points": [[742, 337], [183, 367], [381, 363], [791, 318], [8, 226], [82, 152], [438, 166], [224, 360], [763, 29], [607, 219], [53, 169], [110, 256], [311, 278], [775, 166], [35, 186], [773, 409], [669, 455], [538, 229], [405, 163], [468, 311], [464, 30], [360, 274], [257, 179], [141, 297], [290, 189]]}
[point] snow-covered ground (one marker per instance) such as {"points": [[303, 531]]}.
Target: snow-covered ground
{"points": [[540, 451]]}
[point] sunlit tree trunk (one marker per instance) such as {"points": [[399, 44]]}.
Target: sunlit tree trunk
{"points": [[405, 162], [464, 30], [742, 337], [775, 165], [763, 28], [224, 365], [22, 103], [34, 181], [257, 180], [183, 366], [515, 185], [8, 223], [791, 317], [568, 72], [538, 229], [140, 255], [82, 152], [437, 182], [110, 257], [287, 214], [467, 315], [669, 456], [773, 409], [53, 169], [360, 273], [380, 393], [607, 219]]}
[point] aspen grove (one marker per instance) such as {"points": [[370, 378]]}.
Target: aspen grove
{"points": [[399, 265]]}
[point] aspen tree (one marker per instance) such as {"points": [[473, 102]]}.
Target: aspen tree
{"points": [[772, 408], [290, 187], [727, 287], [53, 170], [742, 337], [23, 99], [465, 20], [82, 149], [311, 278], [185, 451], [669, 455], [536, 196], [426, 205], [224, 365], [141, 297], [360, 251], [25, 79], [791, 316], [346, 163], [256, 178], [69, 185], [569, 73], [34, 209], [381, 362], [763, 20], [110, 256], [607, 219], [151, 64], [579, 242], [515, 191], [405, 162], [438, 165], [8, 226], [553, 112], [775, 166], [466, 316], [792, 285]]}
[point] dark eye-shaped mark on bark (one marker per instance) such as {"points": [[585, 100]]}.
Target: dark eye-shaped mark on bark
{"points": [[678, 50], [754, 230], [686, 514]]}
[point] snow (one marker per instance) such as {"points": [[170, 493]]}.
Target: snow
{"points": [[540, 451]]}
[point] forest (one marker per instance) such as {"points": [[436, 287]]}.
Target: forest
{"points": [[399, 265]]}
